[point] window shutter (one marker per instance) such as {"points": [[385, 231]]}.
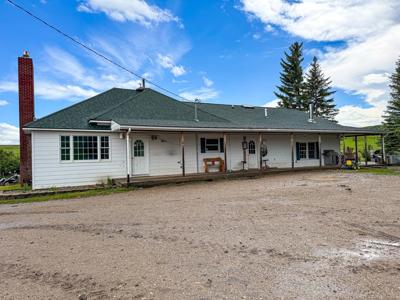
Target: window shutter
{"points": [[317, 149], [203, 145], [221, 145], [297, 151]]}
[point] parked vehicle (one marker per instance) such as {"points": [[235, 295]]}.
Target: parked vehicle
{"points": [[9, 180]]}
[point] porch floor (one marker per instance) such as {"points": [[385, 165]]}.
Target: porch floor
{"points": [[149, 181]]}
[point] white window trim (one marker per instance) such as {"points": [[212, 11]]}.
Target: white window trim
{"points": [[307, 153], [71, 152], [218, 145]]}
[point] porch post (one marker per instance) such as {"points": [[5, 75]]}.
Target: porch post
{"points": [[259, 150], [320, 150], [292, 146], [128, 156], [197, 152], [344, 144], [383, 149], [356, 147], [183, 153], [365, 150], [225, 155]]}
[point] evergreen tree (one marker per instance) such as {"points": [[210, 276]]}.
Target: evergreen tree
{"points": [[392, 117], [317, 90], [290, 92]]}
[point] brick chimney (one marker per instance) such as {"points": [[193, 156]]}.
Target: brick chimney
{"points": [[26, 115]]}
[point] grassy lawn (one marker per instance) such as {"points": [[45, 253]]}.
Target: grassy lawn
{"points": [[12, 148], [379, 171], [70, 195], [14, 187]]}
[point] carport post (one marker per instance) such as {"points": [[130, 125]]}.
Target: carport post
{"points": [[365, 150], [225, 155], [183, 153], [344, 144], [259, 150], [356, 147], [128, 156], [383, 149], [320, 150], [292, 146]]}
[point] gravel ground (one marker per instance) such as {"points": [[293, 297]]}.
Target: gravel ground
{"points": [[307, 235]]}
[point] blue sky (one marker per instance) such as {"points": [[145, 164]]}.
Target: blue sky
{"points": [[219, 51]]}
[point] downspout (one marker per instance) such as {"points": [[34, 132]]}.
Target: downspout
{"points": [[128, 156]]}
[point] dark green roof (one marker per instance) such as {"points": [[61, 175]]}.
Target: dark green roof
{"points": [[151, 108]]}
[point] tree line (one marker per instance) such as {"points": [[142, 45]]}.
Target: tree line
{"points": [[298, 90]]}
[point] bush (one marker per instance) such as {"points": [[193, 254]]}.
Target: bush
{"points": [[9, 162]]}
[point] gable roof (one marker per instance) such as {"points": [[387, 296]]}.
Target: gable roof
{"points": [[149, 108]]}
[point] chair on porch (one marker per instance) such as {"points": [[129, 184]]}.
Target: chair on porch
{"points": [[212, 161]]}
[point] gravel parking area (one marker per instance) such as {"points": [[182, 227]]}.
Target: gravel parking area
{"points": [[311, 235]]}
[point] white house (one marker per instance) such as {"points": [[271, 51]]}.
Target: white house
{"points": [[127, 133]]}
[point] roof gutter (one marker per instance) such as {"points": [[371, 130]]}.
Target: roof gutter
{"points": [[196, 129]]}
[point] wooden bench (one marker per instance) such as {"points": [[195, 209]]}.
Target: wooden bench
{"points": [[212, 161]]}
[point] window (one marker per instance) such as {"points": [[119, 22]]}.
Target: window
{"points": [[212, 145], [65, 148], [85, 148], [313, 150], [307, 150], [252, 147], [303, 150], [104, 147], [138, 148]]}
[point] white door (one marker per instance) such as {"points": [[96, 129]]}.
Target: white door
{"points": [[252, 155], [140, 156]]}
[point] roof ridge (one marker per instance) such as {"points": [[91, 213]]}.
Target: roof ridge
{"points": [[123, 102], [68, 107]]}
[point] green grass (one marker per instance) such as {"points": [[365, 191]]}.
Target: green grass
{"points": [[12, 148], [379, 171], [70, 195], [373, 143], [13, 187]]}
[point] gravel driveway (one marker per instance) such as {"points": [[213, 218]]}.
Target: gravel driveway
{"points": [[310, 235]]}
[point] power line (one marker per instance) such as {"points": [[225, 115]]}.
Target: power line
{"points": [[91, 49]]}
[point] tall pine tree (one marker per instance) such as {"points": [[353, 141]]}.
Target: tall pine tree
{"points": [[290, 93], [317, 90], [392, 117]]}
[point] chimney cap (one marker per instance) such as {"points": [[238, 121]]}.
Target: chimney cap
{"points": [[25, 54]]}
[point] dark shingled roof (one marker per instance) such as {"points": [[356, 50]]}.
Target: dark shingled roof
{"points": [[151, 108]]}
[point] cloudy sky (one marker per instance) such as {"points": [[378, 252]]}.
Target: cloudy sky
{"points": [[225, 51]]}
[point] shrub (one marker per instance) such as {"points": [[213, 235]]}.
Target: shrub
{"points": [[9, 162]]}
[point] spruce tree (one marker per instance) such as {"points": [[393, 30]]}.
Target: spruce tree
{"points": [[290, 93], [317, 90], [392, 117]]}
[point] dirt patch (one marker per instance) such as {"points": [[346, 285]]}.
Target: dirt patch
{"points": [[305, 235]]}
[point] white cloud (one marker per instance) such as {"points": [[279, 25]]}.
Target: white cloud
{"points": [[326, 20], [8, 86], [138, 11], [370, 30], [9, 134], [3, 102], [204, 93], [207, 82], [167, 62], [272, 103], [351, 115]]}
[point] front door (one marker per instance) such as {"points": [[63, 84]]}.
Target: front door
{"points": [[252, 155], [140, 156]]}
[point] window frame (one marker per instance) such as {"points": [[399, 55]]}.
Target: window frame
{"points": [[304, 150], [252, 149], [214, 144], [61, 148], [141, 151], [72, 156]]}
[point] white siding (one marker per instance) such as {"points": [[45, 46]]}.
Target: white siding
{"points": [[50, 171], [164, 156]]}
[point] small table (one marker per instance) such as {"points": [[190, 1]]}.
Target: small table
{"points": [[208, 161]]}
